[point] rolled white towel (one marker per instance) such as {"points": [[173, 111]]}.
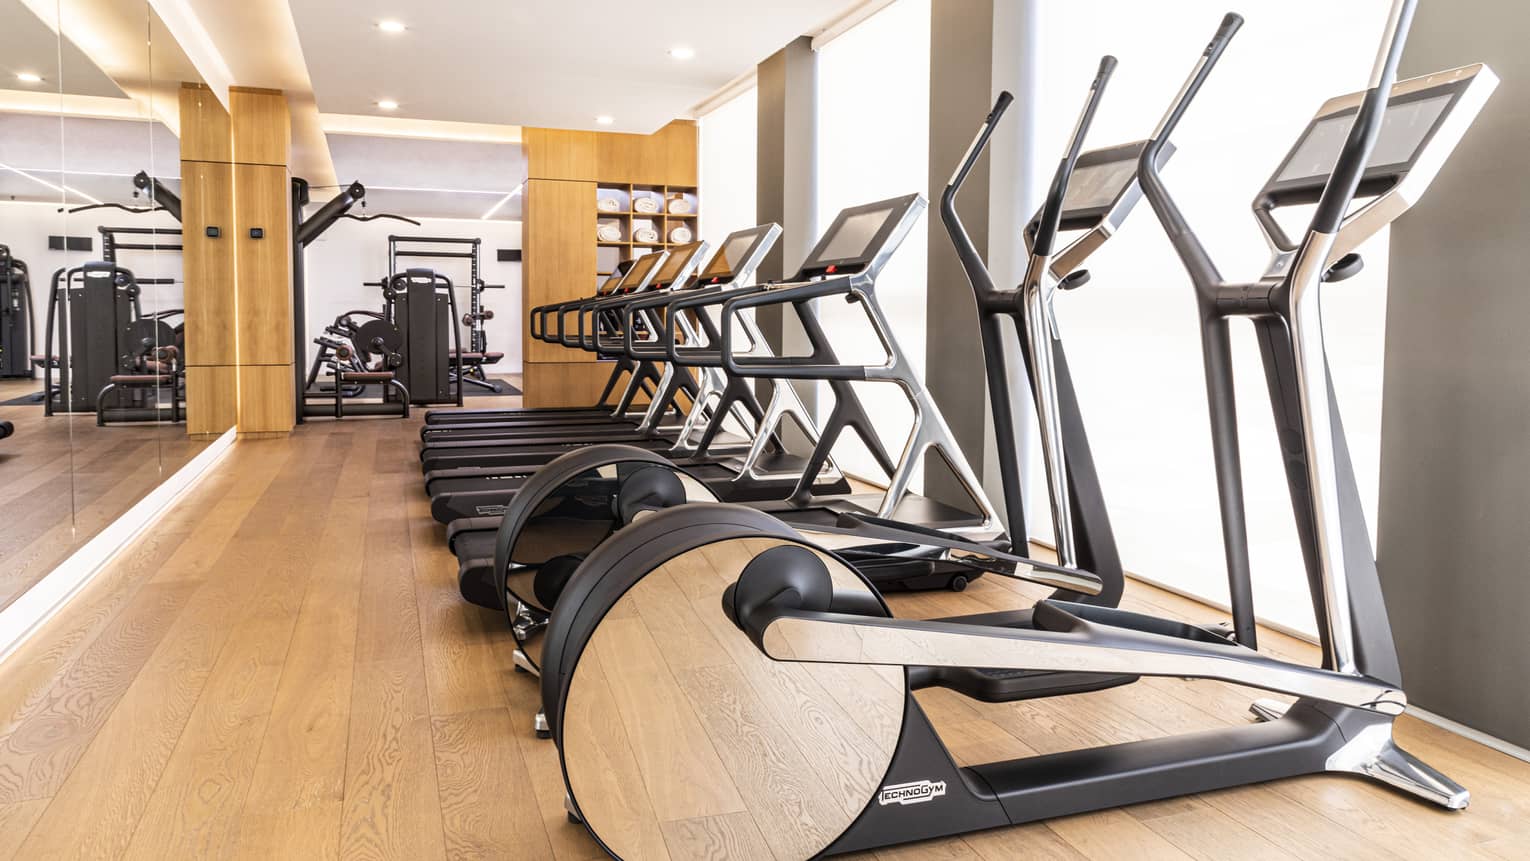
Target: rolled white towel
{"points": [[679, 206], [609, 233], [607, 204], [646, 234], [645, 204], [680, 235]]}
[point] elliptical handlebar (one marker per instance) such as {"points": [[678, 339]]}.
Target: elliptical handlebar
{"points": [[1191, 252], [966, 252], [1051, 211], [1344, 180]]}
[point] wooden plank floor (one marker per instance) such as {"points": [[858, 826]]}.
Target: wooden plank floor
{"points": [[283, 669], [62, 480]]}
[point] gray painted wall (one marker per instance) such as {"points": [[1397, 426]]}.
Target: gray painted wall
{"points": [[961, 75], [786, 191], [978, 48], [1455, 441]]}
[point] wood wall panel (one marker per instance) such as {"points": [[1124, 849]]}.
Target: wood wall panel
{"points": [[674, 153], [204, 125], [624, 158], [564, 384], [261, 126], [207, 200], [212, 398], [266, 399], [559, 235], [560, 154], [263, 266], [558, 261]]}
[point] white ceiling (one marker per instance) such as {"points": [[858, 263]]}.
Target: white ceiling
{"points": [[29, 45], [552, 63], [430, 178]]}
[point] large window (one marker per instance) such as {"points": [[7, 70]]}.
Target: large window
{"points": [[1132, 333], [873, 143], [728, 168]]}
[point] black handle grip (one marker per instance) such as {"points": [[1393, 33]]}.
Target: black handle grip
{"points": [[1342, 184], [1229, 26], [1107, 68], [1051, 212]]}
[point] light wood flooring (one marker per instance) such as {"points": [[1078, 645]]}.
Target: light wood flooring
{"points": [[62, 480], [283, 668]]}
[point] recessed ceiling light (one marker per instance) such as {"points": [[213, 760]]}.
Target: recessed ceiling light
{"points": [[391, 26], [387, 104], [681, 52], [29, 77], [604, 120]]}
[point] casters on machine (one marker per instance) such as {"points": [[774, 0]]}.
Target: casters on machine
{"points": [[527, 620], [523, 664]]}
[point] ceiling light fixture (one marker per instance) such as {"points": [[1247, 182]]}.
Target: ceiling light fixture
{"points": [[681, 52], [604, 120], [387, 104], [29, 77], [391, 27]]}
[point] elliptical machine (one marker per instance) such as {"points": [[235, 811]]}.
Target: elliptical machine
{"points": [[712, 702]]}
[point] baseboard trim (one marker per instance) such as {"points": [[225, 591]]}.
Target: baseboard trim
{"points": [[29, 613], [1466, 732]]}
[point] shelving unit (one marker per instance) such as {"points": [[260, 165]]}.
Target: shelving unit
{"points": [[628, 220]]}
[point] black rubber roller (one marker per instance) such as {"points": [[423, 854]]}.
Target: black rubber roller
{"points": [[783, 578], [648, 489], [553, 576]]}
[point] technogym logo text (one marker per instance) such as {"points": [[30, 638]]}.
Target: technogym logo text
{"points": [[917, 792]]}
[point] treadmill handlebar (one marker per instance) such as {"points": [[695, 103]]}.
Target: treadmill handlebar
{"points": [[1344, 181], [790, 368], [1051, 211]]}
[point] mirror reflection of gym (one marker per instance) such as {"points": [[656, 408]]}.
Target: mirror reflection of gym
{"points": [[92, 351]]}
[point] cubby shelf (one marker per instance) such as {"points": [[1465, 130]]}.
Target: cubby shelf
{"points": [[624, 216]]}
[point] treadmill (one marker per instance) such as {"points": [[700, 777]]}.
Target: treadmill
{"points": [[547, 324], [843, 265], [766, 471], [474, 439]]}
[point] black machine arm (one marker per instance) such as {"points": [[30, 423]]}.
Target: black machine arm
{"points": [[1186, 243], [167, 199], [314, 225], [1051, 212], [1343, 183]]}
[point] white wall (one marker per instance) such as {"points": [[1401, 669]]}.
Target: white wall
{"points": [[873, 143], [25, 227], [351, 252], [1132, 333]]}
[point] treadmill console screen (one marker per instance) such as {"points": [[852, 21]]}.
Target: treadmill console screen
{"points": [[678, 257], [1404, 129], [639, 271], [727, 260], [859, 234], [854, 235]]}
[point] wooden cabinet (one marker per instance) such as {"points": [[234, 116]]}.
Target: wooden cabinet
{"points": [[562, 257]]}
